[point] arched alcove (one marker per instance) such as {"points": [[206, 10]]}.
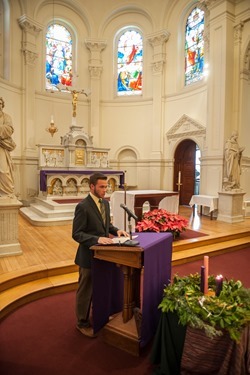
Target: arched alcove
{"points": [[127, 160]]}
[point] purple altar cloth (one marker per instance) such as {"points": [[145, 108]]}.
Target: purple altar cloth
{"points": [[44, 173], [108, 284]]}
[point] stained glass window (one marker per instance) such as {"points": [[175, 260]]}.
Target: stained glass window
{"points": [[129, 63], [194, 47], [58, 56]]}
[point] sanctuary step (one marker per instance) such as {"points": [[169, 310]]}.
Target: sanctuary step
{"points": [[21, 287], [18, 288], [48, 212]]}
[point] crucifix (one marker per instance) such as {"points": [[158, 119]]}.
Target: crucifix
{"points": [[74, 92]]}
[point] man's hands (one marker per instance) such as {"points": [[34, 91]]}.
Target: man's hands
{"points": [[105, 241], [109, 241], [122, 233]]}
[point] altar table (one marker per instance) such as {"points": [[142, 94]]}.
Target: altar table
{"points": [[205, 200], [45, 173], [181, 350], [134, 199], [108, 283]]}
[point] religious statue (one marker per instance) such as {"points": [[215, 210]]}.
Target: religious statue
{"points": [[74, 101], [74, 94], [232, 160], [6, 146]]}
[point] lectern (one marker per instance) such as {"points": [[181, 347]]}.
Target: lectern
{"points": [[119, 287]]}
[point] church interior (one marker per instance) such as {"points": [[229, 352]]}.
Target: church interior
{"points": [[154, 94]]}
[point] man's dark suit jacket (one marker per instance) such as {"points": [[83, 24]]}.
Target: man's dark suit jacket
{"points": [[88, 226]]}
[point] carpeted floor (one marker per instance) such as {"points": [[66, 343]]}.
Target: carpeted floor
{"points": [[188, 234], [40, 338]]}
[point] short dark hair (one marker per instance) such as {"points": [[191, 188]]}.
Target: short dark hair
{"points": [[95, 177]]}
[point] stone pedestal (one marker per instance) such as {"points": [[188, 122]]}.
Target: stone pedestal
{"points": [[9, 244], [230, 207]]}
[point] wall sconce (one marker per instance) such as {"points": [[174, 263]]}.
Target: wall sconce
{"points": [[52, 129]]}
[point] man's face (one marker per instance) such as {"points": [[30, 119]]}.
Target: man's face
{"points": [[99, 190]]}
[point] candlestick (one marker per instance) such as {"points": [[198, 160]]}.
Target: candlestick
{"points": [[206, 272], [202, 279], [219, 283], [179, 177]]}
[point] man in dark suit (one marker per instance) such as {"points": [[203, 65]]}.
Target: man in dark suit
{"points": [[91, 226]]}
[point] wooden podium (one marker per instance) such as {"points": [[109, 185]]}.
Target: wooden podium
{"points": [[128, 285], [122, 329]]}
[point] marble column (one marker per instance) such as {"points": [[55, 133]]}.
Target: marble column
{"points": [[31, 30], [95, 68], [158, 42]]}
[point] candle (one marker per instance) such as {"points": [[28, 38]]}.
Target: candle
{"points": [[202, 279], [219, 283], [179, 177], [206, 272], [52, 119]]}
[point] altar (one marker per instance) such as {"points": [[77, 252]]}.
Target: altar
{"points": [[64, 170], [135, 199], [71, 183]]}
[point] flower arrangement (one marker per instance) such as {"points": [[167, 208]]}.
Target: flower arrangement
{"points": [[160, 220], [230, 311]]}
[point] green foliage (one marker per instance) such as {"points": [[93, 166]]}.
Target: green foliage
{"points": [[229, 312]]}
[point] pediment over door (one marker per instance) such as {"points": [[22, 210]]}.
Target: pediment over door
{"points": [[185, 128]]}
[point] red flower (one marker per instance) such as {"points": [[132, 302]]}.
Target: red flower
{"points": [[159, 220]]}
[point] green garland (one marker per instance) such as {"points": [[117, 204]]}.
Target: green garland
{"points": [[230, 311]]}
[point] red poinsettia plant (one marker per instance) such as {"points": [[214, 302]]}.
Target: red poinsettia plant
{"points": [[160, 220]]}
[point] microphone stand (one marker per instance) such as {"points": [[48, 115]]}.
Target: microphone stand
{"points": [[130, 227], [130, 242]]}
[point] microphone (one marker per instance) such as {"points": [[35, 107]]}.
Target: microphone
{"points": [[130, 213]]}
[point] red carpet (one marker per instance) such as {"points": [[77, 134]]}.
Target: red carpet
{"points": [[189, 233], [40, 338]]}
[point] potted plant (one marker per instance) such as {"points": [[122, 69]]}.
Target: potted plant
{"points": [[160, 220]]}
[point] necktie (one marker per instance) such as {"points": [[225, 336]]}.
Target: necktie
{"points": [[102, 209]]}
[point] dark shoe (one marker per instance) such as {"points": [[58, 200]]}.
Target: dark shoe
{"points": [[84, 323], [87, 331]]}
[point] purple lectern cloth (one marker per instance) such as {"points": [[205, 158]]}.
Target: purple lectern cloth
{"points": [[107, 296], [108, 284], [157, 274]]}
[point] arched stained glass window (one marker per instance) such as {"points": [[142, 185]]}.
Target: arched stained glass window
{"points": [[129, 63], [58, 56], [194, 46]]}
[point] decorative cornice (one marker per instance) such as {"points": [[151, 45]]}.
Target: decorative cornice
{"points": [[238, 32], [158, 38], [186, 126], [95, 45], [208, 3], [29, 25]]}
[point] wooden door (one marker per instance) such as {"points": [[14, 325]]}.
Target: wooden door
{"points": [[184, 169]]}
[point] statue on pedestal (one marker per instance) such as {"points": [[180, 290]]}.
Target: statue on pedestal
{"points": [[6, 146], [232, 163]]}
